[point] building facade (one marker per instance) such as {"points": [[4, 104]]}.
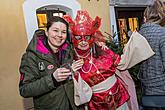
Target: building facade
{"points": [[126, 16]]}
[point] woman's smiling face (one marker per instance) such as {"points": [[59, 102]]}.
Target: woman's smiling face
{"points": [[57, 34]]}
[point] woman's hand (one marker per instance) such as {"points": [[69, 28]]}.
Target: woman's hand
{"points": [[61, 74], [102, 45], [76, 65]]}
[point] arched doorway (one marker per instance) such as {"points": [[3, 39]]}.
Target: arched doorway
{"points": [[46, 12], [31, 6]]}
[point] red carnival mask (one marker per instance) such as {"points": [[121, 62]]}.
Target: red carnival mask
{"points": [[83, 27]]}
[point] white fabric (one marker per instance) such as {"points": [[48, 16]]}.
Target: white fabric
{"points": [[104, 85], [123, 107], [130, 86], [82, 91], [136, 50]]}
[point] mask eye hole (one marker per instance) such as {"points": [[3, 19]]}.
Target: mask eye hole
{"points": [[77, 37], [88, 37]]}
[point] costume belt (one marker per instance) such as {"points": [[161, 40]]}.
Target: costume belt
{"points": [[104, 85]]}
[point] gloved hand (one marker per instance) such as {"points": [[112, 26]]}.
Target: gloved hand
{"points": [[76, 65]]}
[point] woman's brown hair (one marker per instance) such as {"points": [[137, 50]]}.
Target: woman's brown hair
{"points": [[156, 12]]}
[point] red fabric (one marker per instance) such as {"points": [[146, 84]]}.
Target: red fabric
{"points": [[106, 64], [22, 77], [105, 101], [84, 24]]}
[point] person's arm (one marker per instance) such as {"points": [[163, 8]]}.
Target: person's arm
{"points": [[162, 51], [31, 84]]}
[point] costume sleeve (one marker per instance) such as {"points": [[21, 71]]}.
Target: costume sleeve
{"points": [[113, 56], [136, 50], [162, 51], [31, 83], [107, 60]]}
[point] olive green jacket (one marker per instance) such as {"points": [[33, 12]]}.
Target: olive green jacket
{"points": [[37, 66]]}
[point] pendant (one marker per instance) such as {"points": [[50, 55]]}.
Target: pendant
{"points": [[110, 93], [98, 72]]}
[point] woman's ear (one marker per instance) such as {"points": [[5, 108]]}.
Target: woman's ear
{"points": [[46, 32], [144, 19]]}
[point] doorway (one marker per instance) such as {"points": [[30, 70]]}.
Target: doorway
{"points": [[31, 6], [128, 19], [45, 13]]}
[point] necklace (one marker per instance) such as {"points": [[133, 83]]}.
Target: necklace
{"points": [[79, 56], [90, 62], [90, 67]]}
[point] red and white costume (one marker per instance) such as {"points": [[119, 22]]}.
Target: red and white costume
{"points": [[98, 84], [105, 90], [108, 91]]}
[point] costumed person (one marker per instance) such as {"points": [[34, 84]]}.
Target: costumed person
{"points": [[97, 83], [99, 66], [43, 70]]}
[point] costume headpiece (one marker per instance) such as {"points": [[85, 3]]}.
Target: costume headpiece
{"points": [[83, 25]]}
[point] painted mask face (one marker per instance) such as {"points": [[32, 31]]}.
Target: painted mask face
{"points": [[83, 29], [82, 42]]}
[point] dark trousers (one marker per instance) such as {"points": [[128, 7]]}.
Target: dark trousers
{"points": [[153, 108]]}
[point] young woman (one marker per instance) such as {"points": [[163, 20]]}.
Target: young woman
{"points": [[152, 71], [44, 75]]}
